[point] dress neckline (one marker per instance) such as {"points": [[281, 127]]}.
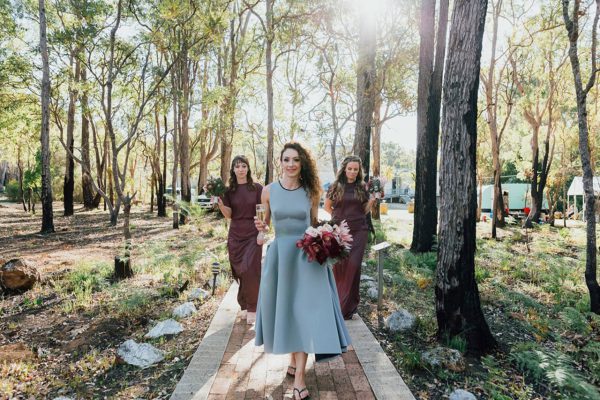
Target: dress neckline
{"points": [[284, 188]]}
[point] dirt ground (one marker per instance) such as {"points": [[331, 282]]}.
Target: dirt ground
{"points": [[69, 337]]}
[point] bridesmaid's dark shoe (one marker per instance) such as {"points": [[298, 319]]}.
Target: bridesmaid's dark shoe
{"points": [[300, 391], [292, 369]]}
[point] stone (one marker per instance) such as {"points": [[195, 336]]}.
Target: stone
{"points": [[184, 310], [17, 275], [373, 293], [166, 327], [369, 284], [387, 277], [141, 355], [366, 278], [198, 294], [460, 394], [63, 398], [400, 321], [15, 352], [444, 357]]}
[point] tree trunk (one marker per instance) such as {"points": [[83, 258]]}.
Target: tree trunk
{"points": [[20, 178], [123, 268], [175, 157], [184, 139], [47, 213], [86, 179], [162, 207], [458, 306], [572, 26], [69, 181], [270, 33], [152, 185], [365, 89], [376, 150], [428, 122]]}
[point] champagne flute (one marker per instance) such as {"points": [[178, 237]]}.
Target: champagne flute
{"points": [[260, 212], [260, 215]]}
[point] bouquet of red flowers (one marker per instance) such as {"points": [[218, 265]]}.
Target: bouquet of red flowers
{"points": [[326, 243], [375, 185]]}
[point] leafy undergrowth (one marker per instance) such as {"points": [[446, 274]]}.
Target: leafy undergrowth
{"points": [[536, 304], [76, 319]]}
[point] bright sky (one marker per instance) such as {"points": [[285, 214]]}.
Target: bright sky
{"points": [[401, 130]]}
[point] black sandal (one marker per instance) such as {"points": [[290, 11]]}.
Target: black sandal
{"points": [[300, 394], [288, 373]]}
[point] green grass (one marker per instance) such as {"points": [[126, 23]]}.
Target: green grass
{"points": [[536, 301]]}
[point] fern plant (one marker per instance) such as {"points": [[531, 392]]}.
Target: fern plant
{"points": [[547, 366]]}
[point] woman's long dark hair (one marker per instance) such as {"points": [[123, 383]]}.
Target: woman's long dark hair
{"points": [[309, 178], [336, 191], [233, 179]]}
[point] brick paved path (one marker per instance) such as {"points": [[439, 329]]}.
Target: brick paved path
{"points": [[227, 365], [246, 372]]}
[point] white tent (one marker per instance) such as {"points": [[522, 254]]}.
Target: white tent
{"points": [[576, 189]]}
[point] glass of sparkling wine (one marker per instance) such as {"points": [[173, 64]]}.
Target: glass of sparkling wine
{"points": [[260, 215]]}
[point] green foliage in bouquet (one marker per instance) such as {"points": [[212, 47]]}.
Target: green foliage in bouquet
{"points": [[215, 187]]}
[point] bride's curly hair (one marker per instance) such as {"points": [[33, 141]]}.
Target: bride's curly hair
{"points": [[309, 178]]}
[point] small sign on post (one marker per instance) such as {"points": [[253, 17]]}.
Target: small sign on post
{"points": [[378, 248]]}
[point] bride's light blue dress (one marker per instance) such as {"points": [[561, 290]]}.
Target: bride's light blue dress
{"points": [[298, 306]]}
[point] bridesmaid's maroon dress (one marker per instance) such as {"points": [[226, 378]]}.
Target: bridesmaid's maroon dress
{"points": [[347, 272], [244, 253]]}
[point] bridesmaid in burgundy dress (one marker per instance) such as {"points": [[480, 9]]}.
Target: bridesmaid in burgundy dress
{"points": [[239, 203], [348, 199]]}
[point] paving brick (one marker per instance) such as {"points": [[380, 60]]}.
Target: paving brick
{"points": [[366, 395], [325, 383], [220, 385], [337, 363], [350, 357], [360, 383], [228, 363], [328, 395]]}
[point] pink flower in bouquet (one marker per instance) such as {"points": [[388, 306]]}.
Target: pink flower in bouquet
{"points": [[326, 243], [343, 232]]}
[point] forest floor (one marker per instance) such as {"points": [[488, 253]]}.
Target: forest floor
{"points": [[534, 299], [73, 322], [531, 285]]}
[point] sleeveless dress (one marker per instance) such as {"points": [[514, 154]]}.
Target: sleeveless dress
{"points": [[244, 254], [298, 307], [347, 272]]}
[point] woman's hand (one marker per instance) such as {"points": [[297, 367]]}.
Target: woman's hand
{"points": [[260, 239], [261, 226]]}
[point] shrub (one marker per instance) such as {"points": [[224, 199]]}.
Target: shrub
{"points": [[555, 368], [12, 190]]}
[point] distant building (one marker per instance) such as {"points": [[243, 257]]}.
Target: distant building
{"points": [[519, 197]]}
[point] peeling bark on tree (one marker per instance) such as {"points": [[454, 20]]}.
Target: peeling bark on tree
{"points": [[458, 306]]}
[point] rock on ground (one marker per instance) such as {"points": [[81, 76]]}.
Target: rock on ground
{"points": [[17, 275], [166, 327], [445, 358], [141, 355], [373, 293], [184, 310], [400, 321], [460, 394], [198, 294]]}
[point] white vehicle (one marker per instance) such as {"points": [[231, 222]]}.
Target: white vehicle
{"points": [[204, 202]]}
